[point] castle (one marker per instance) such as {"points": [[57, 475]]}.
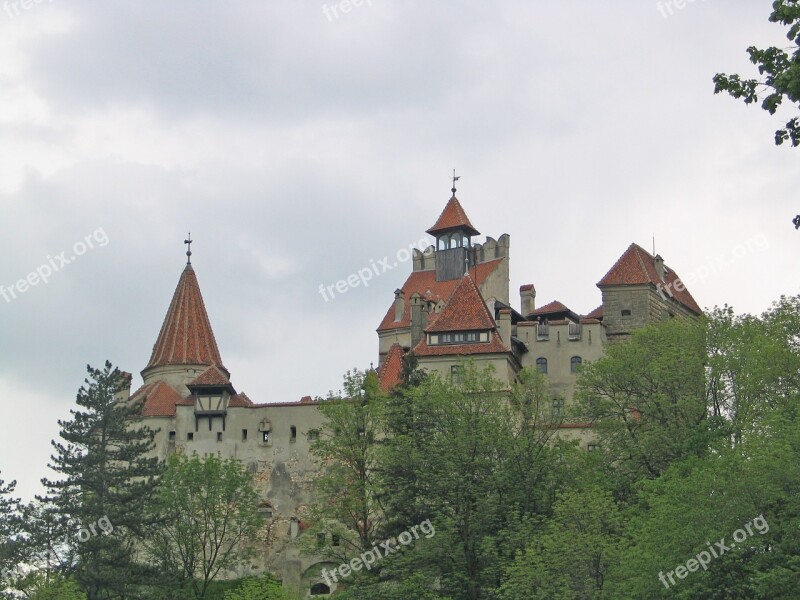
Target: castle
{"points": [[454, 304]]}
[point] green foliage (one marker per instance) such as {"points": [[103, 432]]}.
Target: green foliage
{"points": [[106, 477], [470, 457], [348, 505], [264, 588], [780, 73], [646, 398], [571, 556], [210, 520], [57, 588]]}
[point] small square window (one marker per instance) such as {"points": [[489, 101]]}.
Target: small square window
{"points": [[190, 436], [472, 336], [335, 540], [626, 313], [172, 437], [320, 540], [592, 447]]}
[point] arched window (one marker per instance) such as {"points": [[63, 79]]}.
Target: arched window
{"points": [[320, 589], [541, 364], [455, 240], [444, 242], [575, 363]]}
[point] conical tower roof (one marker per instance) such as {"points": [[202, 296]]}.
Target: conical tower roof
{"points": [[453, 217], [186, 337]]}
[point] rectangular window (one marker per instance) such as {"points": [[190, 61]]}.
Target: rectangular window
{"points": [[313, 435], [456, 373], [592, 447], [171, 437], [190, 436], [626, 313], [244, 435], [320, 540], [472, 336], [293, 431], [458, 338], [265, 437], [334, 540], [219, 436]]}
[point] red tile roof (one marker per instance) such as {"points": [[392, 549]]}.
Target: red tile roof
{"points": [[424, 283], [636, 266], [391, 369], [597, 313], [453, 217], [211, 376], [186, 337], [465, 310], [240, 400], [158, 399], [553, 307]]}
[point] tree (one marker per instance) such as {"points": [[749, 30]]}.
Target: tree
{"points": [[264, 588], [476, 460], [348, 505], [570, 558], [106, 483], [780, 70], [210, 520], [646, 398], [10, 555]]}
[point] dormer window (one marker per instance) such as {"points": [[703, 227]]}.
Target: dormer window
{"points": [[459, 337]]}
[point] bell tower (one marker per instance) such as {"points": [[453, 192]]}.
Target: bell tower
{"points": [[453, 232]]}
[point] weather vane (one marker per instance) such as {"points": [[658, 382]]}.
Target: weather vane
{"points": [[454, 181], [796, 222], [188, 243]]}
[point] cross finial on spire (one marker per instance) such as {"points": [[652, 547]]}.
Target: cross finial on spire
{"points": [[454, 182], [188, 243]]}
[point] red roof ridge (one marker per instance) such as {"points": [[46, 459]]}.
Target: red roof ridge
{"points": [[453, 217]]}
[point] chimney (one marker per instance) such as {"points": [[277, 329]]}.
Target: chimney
{"points": [[659, 265], [504, 325], [399, 305], [527, 299], [419, 318]]}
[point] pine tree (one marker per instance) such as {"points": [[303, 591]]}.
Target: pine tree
{"points": [[106, 484]]}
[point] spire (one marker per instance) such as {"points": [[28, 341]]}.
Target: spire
{"points": [[453, 217], [186, 337]]}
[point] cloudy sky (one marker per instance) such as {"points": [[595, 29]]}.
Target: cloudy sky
{"points": [[299, 141]]}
